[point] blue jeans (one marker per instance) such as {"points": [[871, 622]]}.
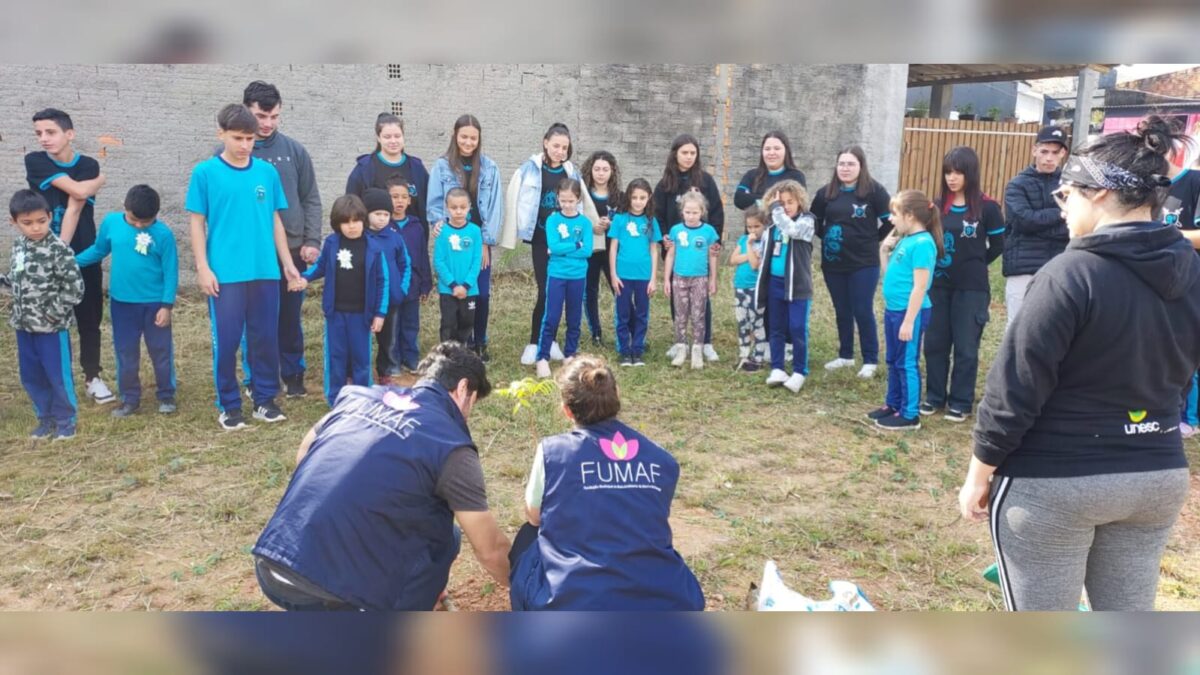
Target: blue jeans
{"points": [[853, 295]]}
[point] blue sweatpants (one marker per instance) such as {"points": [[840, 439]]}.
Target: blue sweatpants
{"points": [[131, 322], [483, 305], [291, 332], [789, 323], [1189, 409], [561, 292], [347, 351], [632, 317], [408, 332], [904, 362], [253, 307], [853, 295], [44, 360]]}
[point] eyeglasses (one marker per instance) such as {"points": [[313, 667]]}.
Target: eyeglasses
{"points": [[1063, 192]]}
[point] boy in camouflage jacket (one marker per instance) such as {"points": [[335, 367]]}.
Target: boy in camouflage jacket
{"points": [[46, 286]]}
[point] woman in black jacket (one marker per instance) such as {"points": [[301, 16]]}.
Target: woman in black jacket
{"points": [[684, 173], [1078, 458], [775, 163]]}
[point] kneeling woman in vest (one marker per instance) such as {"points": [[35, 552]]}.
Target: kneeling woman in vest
{"points": [[598, 500]]}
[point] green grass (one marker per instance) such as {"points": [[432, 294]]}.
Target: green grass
{"points": [[159, 512]]}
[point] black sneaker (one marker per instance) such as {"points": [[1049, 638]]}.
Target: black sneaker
{"points": [[748, 366], [899, 423], [638, 361], [953, 415], [880, 413], [626, 361], [125, 410], [597, 341], [294, 388], [45, 429], [926, 409], [232, 419], [483, 354], [269, 412]]}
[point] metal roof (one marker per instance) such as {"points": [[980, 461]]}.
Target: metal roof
{"points": [[926, 74]]}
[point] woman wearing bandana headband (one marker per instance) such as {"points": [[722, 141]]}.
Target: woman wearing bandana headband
{"points": [[1077, 445]]}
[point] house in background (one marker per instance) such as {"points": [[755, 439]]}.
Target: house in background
{"points": [[1012, 101]]}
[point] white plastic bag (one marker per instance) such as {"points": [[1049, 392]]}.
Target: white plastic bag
{"points": [[775, 596]]}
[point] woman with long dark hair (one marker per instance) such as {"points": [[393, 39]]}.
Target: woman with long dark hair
{"points": [[464, 165], [973, 232], [1078, 460], [602, 178], [684, 172], [852, 220], [529, 202], [388, 161], [775, 163]]}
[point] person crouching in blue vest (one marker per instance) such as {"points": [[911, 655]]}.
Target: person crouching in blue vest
{"points": [[367, 521], [598, 501], [355, 299]]}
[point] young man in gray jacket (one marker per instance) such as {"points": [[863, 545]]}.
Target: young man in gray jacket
{"points": [[301, 221]]}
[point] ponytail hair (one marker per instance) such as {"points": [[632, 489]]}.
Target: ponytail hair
{"points": [[1143, 153], [916, 204], [557, 129], [381, 121], [589, 390]]}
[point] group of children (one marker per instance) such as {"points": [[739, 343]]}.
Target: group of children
{"points": [[377, 270]]}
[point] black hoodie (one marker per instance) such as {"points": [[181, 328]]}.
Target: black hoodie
{"points": [[1089, 375]]}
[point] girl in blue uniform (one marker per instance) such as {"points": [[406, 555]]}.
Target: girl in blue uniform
{"points": [[598, 502]]}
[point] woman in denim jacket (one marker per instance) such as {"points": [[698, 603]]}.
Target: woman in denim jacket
{"points": [[464, 165], [530, 200]]}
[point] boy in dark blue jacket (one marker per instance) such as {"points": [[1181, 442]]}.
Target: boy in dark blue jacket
{"points": [[355, 300], [395, 253], [420, 284]]}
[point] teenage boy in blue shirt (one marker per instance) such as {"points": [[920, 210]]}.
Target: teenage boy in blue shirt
{"points": [[239, 244], [145, 274]]}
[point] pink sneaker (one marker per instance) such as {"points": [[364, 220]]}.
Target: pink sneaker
{"points": [[1186, 430]]}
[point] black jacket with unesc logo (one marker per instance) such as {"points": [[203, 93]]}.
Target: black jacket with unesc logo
{"points": [[1089, 374]]}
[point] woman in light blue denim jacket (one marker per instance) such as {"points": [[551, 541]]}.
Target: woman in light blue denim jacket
{"points": [[528, 204], [464, 165]]}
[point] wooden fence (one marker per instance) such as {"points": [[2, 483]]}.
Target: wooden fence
{"points": [[1003, 147]]}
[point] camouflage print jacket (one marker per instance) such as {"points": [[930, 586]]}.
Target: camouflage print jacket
{"points": [[46, 285]]}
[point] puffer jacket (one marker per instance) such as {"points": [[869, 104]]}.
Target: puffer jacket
{"points": [[1034, 229]]}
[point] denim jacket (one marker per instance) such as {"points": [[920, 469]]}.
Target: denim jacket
{"points": [[524, 195], [491, 202]]}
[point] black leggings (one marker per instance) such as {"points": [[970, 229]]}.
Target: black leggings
{"points": [[597, 266], [541, 257]]}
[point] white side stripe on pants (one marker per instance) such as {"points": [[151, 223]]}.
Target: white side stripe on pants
{"points": [[998, 494]]}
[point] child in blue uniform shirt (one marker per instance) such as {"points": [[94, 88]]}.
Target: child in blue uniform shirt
{"points": [[908, 256], [395, 253], [633, 266], [457, 257], [690, 276], [420, 284], [569, 241], [145, 274], [747, 258], [355, 299]]}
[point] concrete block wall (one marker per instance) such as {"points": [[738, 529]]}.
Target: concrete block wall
{"points": [[152, 123]]}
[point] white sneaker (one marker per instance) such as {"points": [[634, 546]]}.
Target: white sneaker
{"points": [[867, 371], [839, 363], [673, 351], [680, 355], [99, 391], [795, 382], [1186, 430], [543, 370], [776, 378], [710, 354], [555, 352], [529, 355], [698, 357]]}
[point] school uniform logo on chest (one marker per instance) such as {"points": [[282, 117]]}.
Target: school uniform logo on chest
{"points": [[632, 228], [860, 210], [458, 243], [141, 243], [549, 201], [260, 193], [970, 228], [683, 238], [345, 259], [619, 472]]}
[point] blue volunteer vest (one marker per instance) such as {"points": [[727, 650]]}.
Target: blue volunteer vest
{"points": [[604, 541], [360, 518]]}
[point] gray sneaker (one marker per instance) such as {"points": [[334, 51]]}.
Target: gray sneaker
{"points": [[125, 410], [167, 407]]}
